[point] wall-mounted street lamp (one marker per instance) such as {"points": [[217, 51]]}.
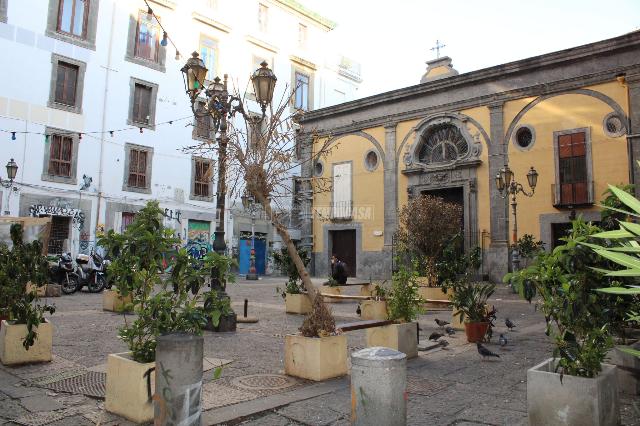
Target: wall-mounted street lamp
{"points": [[506, 185], [12, 170]]}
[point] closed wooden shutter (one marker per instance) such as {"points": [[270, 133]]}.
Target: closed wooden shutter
{"points": [[572, 163], [202, 178], [141, 104], [60, 156], [137, 168], [66, 83]]}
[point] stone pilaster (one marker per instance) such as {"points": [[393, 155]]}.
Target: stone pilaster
{"points": [[633, 84], [390, 194], [496, 257], [305, 196]]}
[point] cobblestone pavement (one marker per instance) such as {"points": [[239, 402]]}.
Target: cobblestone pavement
{"points": [[446, 386]]}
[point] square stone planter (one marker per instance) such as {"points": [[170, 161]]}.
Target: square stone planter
{"points": [[331, 290], [11, 350], [114, 302], [366, 289], [373, 310], [401, 337], [315, 358], [577, 401], [53, 290], [126, 391], [627, 382], [297, 303], [40, 291]]}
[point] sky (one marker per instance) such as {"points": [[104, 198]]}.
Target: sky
{"points": [[392, 39]]}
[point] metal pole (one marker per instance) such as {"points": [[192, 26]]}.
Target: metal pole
{"points": [[252, 275], [515, 255]]}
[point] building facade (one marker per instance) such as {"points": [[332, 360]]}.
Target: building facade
{"points": [[93, 107], [574, 115]]}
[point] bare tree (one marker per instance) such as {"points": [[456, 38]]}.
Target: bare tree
{"points": [[260, 158]]}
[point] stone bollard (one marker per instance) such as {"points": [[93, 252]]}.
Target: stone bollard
{"points": [[178, 380], [378, 387]]}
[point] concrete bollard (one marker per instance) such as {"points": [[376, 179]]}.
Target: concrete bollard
{"points": [[378, 387], [177, 400]]}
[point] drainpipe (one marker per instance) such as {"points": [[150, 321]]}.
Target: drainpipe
{"points": [[104, 112]]}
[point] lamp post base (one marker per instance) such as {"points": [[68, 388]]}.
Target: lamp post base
{"points": [[252, 277]]}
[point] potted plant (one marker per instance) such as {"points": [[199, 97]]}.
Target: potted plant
{"points": [[296, 300], [404, 305], [375, 309], [221, 269], [25, 335], [470, 305], [575, 386], [318, 352], [163, 305]]}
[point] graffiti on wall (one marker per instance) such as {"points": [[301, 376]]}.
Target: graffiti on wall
{"points": [[77, 215], [172, 214], [198, 238]]}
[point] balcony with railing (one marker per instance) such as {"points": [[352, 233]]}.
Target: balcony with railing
{"points": [[570, 195], [342, 210]]}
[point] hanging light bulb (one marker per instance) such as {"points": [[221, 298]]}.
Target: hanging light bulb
{"points": [[149, 11], [13, 136], [46, 138], [79, 136], [164, 39], [140, 129], [111, 133], [170, 122], [178, 56]]}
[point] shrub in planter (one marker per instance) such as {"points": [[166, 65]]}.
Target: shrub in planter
{"points": [[318, 352], [470, 305], [163, 305], [21, 265], [404, 304], [296, 299]]}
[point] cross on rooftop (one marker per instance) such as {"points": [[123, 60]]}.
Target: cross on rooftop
{"points": [[437, 48]]}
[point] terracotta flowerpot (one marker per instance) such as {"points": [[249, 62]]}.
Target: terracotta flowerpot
{"points": [[475, 331]]}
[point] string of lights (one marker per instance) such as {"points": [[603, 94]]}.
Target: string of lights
{"points": [[165, 34]]}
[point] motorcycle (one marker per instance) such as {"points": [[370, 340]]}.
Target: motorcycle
{"points": [[63, 273], [90, 269]]}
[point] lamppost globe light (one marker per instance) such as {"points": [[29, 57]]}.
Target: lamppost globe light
{"points": [[12, 169], [264, 82], [507, 175], [532, 178], [194, 73]]}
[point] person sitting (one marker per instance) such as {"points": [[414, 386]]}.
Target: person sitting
{"points": [[338, 270]]}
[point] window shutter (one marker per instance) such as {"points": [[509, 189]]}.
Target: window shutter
{"points": [[144, 105], [142, 169], [59, 96], [136, 103], [71, 82], [133, 165]]}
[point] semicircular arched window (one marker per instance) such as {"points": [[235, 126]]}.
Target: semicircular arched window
{"points": [[442, 143]]}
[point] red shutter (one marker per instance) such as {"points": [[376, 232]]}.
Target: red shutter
{"points": [[572, 159]]}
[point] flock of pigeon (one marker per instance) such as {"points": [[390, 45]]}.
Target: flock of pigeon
{"points": [[482, 350]]}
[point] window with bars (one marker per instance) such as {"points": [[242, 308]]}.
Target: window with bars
{"points": [[141, 104], [60, 155], [137, 168], [59, 232], [72, 17], [147, 41], [202, 177], [302, 91], [66, 83], [572, 168]]}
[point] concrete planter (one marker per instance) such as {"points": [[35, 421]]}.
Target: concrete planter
{"points": [[627, 382], [331, 290], [114, 302], [40, 291], [127, 393], [373, 310], [315, 358], [401, 337], [366, 289], [577, 401], [11, 350], [53, 290], [297, 303]]}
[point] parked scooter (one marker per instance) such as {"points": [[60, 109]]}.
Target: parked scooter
{"points": [[90, 269], [63, 273]]}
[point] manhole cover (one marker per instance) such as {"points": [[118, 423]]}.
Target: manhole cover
{"points": [[263, 382], [46, 380], [426, 387], [91, 384], [44, 418]]}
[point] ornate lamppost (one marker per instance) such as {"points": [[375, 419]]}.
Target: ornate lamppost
{"points": [[216, 102], [506, 184], [12, 170], [249, 203]]}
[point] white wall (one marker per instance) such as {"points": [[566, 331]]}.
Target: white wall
{"points": [[25, 84]]}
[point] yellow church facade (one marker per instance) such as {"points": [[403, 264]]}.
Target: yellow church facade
{"points": [[573, 115]]}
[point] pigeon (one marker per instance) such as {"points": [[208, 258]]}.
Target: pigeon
{"points": [[489, 333], [503, 340], [435, 336], [358, 310], [510, 325], [441, 323], [484, 352], [449, 330]]}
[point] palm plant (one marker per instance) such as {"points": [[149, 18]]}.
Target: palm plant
{"points": [[470, 299]]}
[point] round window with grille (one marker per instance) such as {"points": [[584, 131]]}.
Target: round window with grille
{"points": [[443, 144], [613, 125], [371, 161], [318, 168], [524, 137]]}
